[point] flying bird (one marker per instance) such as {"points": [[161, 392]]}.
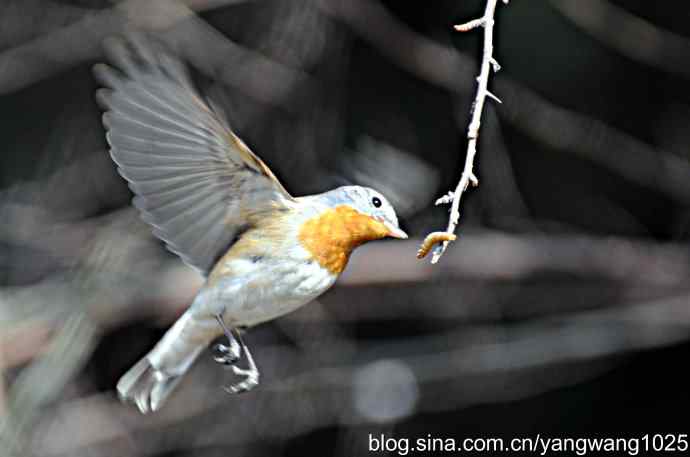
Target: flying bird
{"points": [[215, 204]]}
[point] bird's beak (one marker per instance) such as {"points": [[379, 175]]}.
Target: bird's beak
{"points": [[394, 231]]}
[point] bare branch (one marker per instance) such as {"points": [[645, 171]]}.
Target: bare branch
{"points": [[468, 176]]}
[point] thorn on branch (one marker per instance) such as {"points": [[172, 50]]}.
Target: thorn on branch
{"points": [[474, 180], [493, 97], [473, 24], [446, 199], [495, 65]]}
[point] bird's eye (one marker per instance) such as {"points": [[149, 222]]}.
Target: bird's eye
{"points": [[376, 202]]}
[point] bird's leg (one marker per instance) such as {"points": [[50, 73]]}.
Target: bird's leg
{"points": [[251, 373], [230, 354]]}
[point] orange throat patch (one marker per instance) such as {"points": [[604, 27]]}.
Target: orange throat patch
{"points": [[331, 236]]}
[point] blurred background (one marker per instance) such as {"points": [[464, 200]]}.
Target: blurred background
{"points": [[562, 309]]}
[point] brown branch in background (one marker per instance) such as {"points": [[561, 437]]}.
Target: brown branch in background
{"points": [[468, 176]]}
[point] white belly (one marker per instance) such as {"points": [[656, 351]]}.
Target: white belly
{"points": [[262, 290]]}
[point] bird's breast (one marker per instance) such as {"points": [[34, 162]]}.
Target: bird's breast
{"points": [[251, 290], [330, 237]]}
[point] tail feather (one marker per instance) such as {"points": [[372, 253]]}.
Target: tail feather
{"points": [[151, 381], [146, 386]]}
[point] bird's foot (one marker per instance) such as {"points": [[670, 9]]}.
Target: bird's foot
{"points": [[250, 374], [227, 355], [251, 380]]}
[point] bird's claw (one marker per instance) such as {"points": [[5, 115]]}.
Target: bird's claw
{"points": [[226, 355], [229, 355], [251, 381]]}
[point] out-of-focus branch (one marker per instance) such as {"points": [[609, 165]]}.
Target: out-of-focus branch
{"points": [[504, 203], [111, 250], [112, 278], [78, 42], [426, 59], [557, 127], [504, 257], [473, 365], [110, 284], [20, 345], [26, 19], [488, 62], [45, 379], [632, 36], [264, 79]]}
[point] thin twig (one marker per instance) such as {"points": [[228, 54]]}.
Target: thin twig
{"points": [[468, 176]]}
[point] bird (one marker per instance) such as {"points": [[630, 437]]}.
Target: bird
{"points": [[213, 202]]}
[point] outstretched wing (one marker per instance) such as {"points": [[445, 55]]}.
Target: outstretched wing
{"points": [[195, 181]]}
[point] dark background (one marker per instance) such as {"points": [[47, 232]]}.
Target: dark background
{"points": [[563, 309]]}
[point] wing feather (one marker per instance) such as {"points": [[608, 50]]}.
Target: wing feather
{"points": [[195, 181]]}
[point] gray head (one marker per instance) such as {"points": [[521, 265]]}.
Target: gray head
{"points": [[367, 201]]}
